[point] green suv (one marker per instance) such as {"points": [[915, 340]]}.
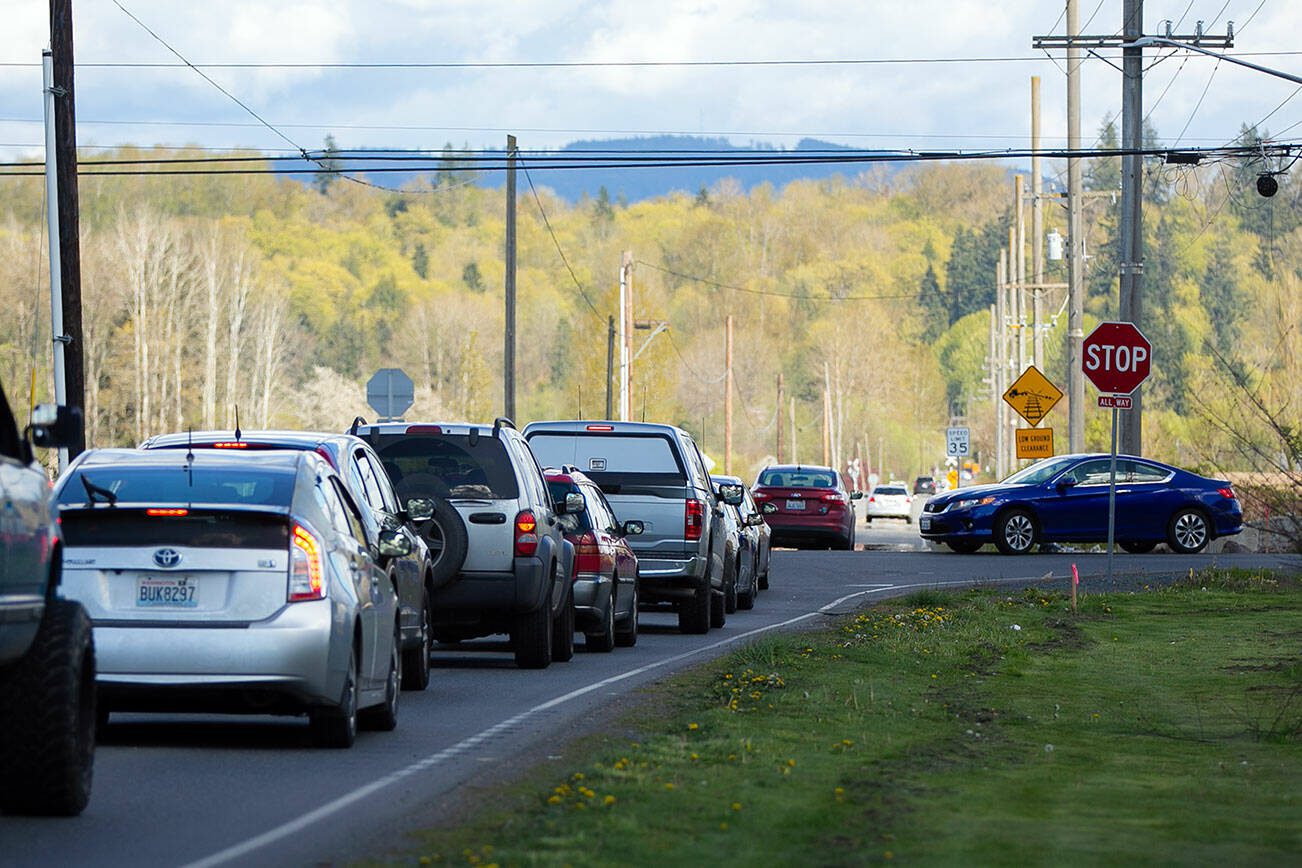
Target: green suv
{"points": [[47, 658]]}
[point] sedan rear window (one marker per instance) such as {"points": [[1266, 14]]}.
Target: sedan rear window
{"points": [[796, 478], [447, 465], [646, 459], [889, 489], [178, 485]]}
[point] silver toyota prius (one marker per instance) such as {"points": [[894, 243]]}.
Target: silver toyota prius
{"points": [[233, 583]]}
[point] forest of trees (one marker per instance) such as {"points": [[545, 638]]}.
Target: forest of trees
{"points": [[207, 293]]}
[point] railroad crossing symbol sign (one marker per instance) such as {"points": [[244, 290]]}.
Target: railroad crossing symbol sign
{"points": [[1032, 395], [390, 392]]}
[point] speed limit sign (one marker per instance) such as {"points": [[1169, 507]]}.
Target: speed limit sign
{"points": [[957, 442]]}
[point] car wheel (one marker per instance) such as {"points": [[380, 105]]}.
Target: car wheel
{"points": [[384, 717], [415, 661], [694, 614], [746, 599], [764, 581], [1138, 548], [445, 534], [847, 544], [718, 610], [604, 638], [963, 547], [531, 637], [1187, 532], [1015, 532], [337, 727], [626, 632], [47, 718], [563, 629]]}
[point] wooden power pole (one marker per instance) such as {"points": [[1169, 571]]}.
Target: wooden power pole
{"points": [[778, 427], [727, 396], [610, 366], [65, 134], [508, 350]]}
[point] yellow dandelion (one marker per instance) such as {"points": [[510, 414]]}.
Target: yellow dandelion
{"points": [[553, 800], [669, 786], [695, 757], [723, 827], [736, 806], [693, 726], [840, 791], [608, 801], [791, 763]]}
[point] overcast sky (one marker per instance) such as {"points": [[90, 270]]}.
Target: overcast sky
{"points": [[905, 105]]}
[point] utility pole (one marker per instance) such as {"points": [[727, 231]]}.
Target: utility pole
{"points": [[1131, 40], [52, 235], [778, 426], [610, 367], [65, 144], [1037, 229], [794, 453], [827, 415], [727, 397], [995, 393], [1000, 331], [508, 350], [625, 334], [1132, 206]]}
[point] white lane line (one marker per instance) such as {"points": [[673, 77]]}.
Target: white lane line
{"points": [[333, 807]]}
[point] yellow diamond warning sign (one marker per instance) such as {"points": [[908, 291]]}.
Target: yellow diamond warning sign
{"points": [[1032, 395], [1034, 442]]}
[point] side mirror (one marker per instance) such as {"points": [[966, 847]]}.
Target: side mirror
{"points": [[420, 509], [393, 543], [633, 528], [769, 508], [1066, 483], [754, 519], [55, 426], [574, 503], [856, 495], [732, 495]]}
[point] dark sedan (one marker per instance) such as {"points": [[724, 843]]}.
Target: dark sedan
{"points": [[1065, 499]]}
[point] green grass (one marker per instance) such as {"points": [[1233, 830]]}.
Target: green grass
{"points": [[1161, 727]]}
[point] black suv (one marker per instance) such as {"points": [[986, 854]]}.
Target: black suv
{"points": [[47, 655]]}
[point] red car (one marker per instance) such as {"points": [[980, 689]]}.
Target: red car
{"points": [[605, 568], [806, 506]]}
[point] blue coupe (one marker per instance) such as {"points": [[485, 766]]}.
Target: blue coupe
{"points": [[1065, 499]]}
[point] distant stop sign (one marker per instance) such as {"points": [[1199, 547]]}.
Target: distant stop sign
{"points": [[1116, 357]]}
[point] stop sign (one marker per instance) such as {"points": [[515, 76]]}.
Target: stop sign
{"points": [[1116, 357]]}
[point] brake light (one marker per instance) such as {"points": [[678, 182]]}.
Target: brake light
{"points": [[760, 495], [872, 498], [167, 512], [526, 536], [693, 519], [834, 497], [1226, 492], [587, 555], [330, 459], [601, 427], [306, 577], [424, 429], [231, 444]]}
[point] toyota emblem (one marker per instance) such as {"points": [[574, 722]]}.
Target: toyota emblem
{"points": [[167, 558]]}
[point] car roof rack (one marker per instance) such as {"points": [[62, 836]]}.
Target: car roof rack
{"points": [[500, 422]]}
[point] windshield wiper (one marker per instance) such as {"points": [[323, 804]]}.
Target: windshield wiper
{"points": [[93, 491]]}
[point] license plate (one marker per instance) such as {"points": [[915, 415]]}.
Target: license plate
{"points": [[172, 592], [925, 522], [795, 504]]}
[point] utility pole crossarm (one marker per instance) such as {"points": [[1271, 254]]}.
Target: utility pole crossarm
{"points": [[1145, 41]]}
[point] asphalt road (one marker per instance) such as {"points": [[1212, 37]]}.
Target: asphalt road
{"points": [[192, 790]]}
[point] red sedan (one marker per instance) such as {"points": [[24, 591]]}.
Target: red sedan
{"points": [[806, 506]]}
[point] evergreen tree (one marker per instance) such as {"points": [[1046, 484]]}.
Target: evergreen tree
{"points": [[1104, 173], [420, 260], [329, 171], [934, 305]]}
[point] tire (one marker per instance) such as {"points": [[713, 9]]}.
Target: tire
{"points": [[1138, 548], [415, 661], [718, 610], [847, 544], [764, 581], [963, 547], [336, 728], [563, 629], [746, 599], [626, 633], [694, 614], [48, 717], [384, 717], [1015, 532], [603, 640], [1188, 532], [448, 542], [531, 638]]}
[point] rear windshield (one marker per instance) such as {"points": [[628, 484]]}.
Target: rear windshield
{"points": [[889, 489], [612, 459], [210, 529], [447, 465], [172, 485], [795, 478]]}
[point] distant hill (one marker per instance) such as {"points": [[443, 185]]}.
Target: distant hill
{"points": [[635, 183]]}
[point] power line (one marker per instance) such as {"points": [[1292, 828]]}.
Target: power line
{"points": [[557, 242]]}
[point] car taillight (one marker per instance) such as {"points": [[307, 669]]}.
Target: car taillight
{"points": [[834, 497], [601, 427], [1226, 492], [587, 555], [760, 495], [424, 429], [872, 498], [306, 578], [231, 444], [693, 519], [526, 534], [330, 459], [170, 512]]}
